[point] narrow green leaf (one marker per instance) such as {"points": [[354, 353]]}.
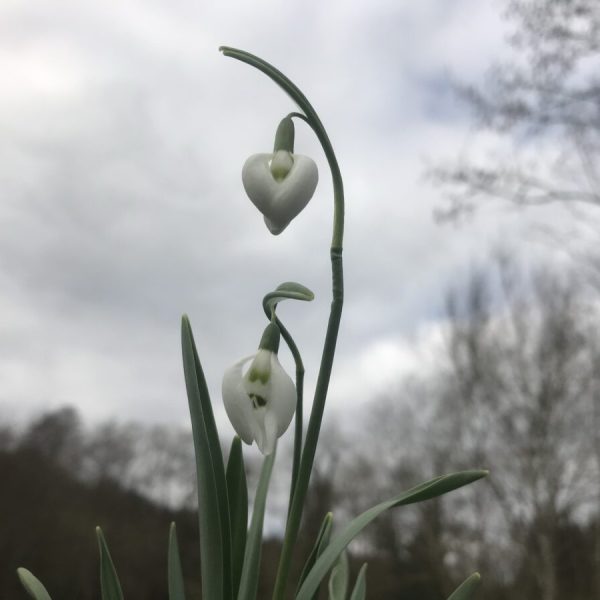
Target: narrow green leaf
{"points": [[237, 491], [360, 587], [175, 574], [424, 491], [213, 511], [109, 581], [320, 544], [466, 590], [250, 570], [290, 290], [33, 586], [338, 580]]}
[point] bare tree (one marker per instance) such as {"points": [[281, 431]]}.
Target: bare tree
{"points": [[396, 447], [515, 391], [57, 436], [520, 390], [546, 102]]}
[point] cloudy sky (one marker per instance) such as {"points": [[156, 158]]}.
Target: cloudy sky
{"points": [[122, 135]]}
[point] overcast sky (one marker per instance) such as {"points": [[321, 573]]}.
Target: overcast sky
{"points": [[122, 136]]}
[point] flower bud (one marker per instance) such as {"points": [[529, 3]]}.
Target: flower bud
{"points": [[280, 184]]}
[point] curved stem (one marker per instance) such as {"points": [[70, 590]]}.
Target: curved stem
{"points": [[299, 116], [316, 416], [289, 340], [298, 424], [313, 119]]}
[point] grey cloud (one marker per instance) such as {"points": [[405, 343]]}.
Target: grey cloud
{"points": [[122, 136]]}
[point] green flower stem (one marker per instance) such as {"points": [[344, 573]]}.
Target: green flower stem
{"points": [[298, 423], [316, 416], [289, 340], [314, 427], [291, 290]]}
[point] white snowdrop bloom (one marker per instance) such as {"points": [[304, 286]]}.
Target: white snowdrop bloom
{"points": [[260, 403]]}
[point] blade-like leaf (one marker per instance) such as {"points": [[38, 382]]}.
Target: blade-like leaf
{"points": [[338, 580], [360, 587], [213, 509], [466, 590], [175, 574], [424, 491], [218, 467], [109, 581], [319, 545], [250, 570], [33, 586], [237, 491], [290, 290]]}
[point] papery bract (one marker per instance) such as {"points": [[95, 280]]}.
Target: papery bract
{"points": [[280, 185], [260, 403]]}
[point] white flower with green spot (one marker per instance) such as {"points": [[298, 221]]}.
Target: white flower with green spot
{"points": [[260, 403], [280, 183]]}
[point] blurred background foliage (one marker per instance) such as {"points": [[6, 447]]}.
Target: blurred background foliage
{"points": [[515, 389]]}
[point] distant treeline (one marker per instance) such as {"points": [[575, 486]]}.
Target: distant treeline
{"points": [[515, 388]]}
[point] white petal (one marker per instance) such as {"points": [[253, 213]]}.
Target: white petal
{"points": [[258, 181], [294, 192], [282, 402], [279, 201], [258, 426], [273, 227], [268, 439], [237, 404]]}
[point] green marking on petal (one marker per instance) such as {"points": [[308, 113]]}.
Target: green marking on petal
{"points": [[258, 401], [258, 375]]}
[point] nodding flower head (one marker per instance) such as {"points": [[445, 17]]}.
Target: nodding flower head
{"points": [[260, 403], [281, 183]]}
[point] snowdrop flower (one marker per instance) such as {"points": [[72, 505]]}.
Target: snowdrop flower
{"points": [[280, 184], [260, 403]]}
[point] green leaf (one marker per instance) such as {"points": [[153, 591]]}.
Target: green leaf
{"points": [[360, 587], [338, 580], [318, 547], [250, 570], [289, 290], [109, 581], [33, 586], [237, 491], [213, 505], [424, 491], [466, 590], [175, 574]]}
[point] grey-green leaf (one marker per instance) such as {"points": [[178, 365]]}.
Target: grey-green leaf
{"points": [[251, 567], [33, 586], [109, 581], [425, 491], [360, 587], [290, 290], [175, 574], [213, 512], [338, 580], [318, 547], [466, 590], [237, 491]]}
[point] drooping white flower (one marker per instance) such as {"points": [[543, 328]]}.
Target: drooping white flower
{"points": [[280, 183], [260, 403]]}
